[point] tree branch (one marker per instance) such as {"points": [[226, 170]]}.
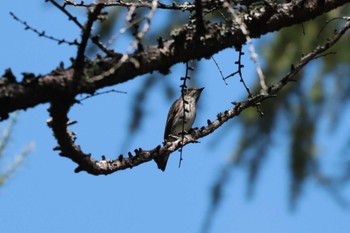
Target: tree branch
{"points": [[181, 48], [200, 25], [86, 32], [139, 4], [93, 38], [59, 123]]}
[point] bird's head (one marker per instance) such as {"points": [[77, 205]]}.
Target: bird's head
{"points": [[194, 93]]}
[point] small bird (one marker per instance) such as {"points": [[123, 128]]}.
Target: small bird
{"points": [[185, 106]]}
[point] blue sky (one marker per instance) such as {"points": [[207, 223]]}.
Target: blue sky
{"points": [[45, 195]]}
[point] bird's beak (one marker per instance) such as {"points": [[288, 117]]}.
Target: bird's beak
{"points": [[198, 93]]}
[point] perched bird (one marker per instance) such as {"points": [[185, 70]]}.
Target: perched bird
{"points": [[183, 107]]}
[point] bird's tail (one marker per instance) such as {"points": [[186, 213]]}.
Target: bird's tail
{"points": [[162, 161]]}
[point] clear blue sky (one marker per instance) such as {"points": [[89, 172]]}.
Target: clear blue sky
{"points": [[45, 195]]}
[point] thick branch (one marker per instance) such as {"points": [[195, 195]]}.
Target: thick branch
{"points": [[59, 111], [86, 32], [200, 25], [181, 48], [139, 4]]}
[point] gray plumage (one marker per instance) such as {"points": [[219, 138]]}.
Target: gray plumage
{"points": [[175, 123]]}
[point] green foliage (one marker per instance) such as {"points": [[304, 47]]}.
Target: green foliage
{"points": [[302, 105], [319, 92]]}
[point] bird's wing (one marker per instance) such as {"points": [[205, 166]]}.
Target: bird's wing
{"points": [[174, 109]]}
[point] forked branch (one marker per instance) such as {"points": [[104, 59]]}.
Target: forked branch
{"points": [[66, 139]]}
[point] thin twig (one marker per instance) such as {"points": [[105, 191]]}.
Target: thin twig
{"points": [[6, 135], [130, 18], [239, 72], [125, 57], [93, 38], [217, 65], [101, 93], [316, 53], [147, 25], [183, 92], [69, 15], [329, 21], [43, 33], [19, 159], [253, 54]]}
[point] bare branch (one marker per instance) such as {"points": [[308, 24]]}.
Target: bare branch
{"points": [[93, 38], [316, 53], [6, 135], [147, 25], [253, 54], [67, 13], [18, 161], [200, 25], [43, 33], [139, 4], [86, 34], [66, 139], [217, 66], [101, 93], [181, 48], [183, 91], [239, 72]]}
